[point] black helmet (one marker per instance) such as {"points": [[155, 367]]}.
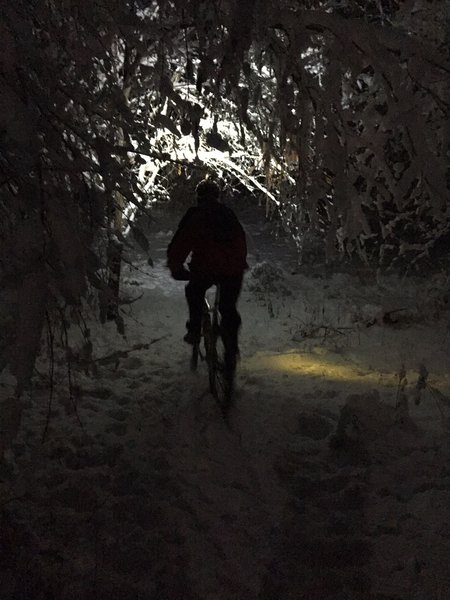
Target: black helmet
{"points": [[207, 191]]}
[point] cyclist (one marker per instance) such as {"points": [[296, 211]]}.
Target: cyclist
{"points": [[214, 237]]}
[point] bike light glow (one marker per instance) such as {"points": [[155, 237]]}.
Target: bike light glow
{"points": [[331, 367], [311, 365]]}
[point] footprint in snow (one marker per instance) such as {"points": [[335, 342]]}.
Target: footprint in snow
{"points": [[132, 362], [118, 415], [117, 429], [102, 393]]}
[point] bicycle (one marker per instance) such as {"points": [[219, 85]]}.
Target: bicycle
{"points": [[221, 364]]}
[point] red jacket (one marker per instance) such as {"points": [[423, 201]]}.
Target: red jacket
{"points": [[216, 239]]}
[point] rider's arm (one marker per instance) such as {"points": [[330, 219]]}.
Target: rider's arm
{"points": [[180, 247], [242, 246]]}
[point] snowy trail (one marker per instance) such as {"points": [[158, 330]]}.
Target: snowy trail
{"points": [[156, 498]]}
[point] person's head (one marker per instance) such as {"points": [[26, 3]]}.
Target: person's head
{"points": [[207, 192]]}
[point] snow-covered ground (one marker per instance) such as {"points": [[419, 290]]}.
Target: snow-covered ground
{"points": [[331, 480]]}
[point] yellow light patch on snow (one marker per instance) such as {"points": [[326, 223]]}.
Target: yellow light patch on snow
{"points": [[323, 364], [317, 364]]}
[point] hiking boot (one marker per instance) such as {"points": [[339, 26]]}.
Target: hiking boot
{"points": [[191, 338]]}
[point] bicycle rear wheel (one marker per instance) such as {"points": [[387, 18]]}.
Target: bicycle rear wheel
{"points": [[221, 372], [205, 333], [194, 356]]}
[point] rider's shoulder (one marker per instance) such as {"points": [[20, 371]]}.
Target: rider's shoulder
{"points": [[192, 212], [229, 213], [189, 216]]}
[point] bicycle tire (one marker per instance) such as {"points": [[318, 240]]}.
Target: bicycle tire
{"points": [[220, 375], [205, 328], [194, 356], [210, 350], [221, 378]]}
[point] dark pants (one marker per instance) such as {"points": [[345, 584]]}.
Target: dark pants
{"points": [[229, 290]]}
